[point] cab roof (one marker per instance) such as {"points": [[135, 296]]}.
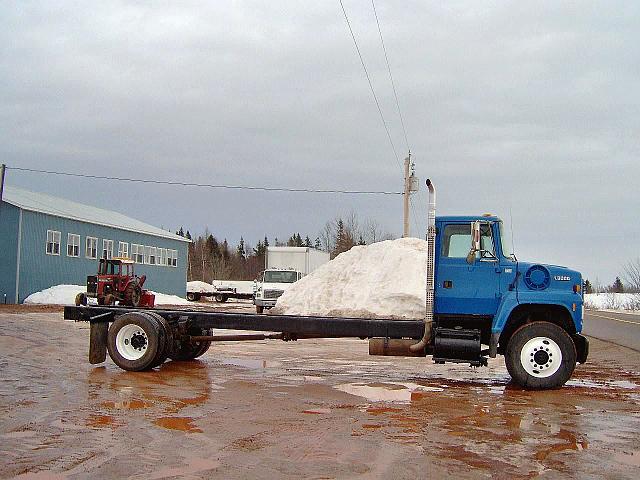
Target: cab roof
{"points": [[468, 218]]}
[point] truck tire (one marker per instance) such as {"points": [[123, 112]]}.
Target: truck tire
{"points": [[133, 341], [191, 296], [133, 295], [166, 344], [540, 355], [259, 309], [219, 298]]}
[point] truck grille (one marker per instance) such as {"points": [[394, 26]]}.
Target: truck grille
{"points": [[273, 293]]}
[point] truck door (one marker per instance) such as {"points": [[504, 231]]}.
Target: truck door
{"points": [[461, 287]]}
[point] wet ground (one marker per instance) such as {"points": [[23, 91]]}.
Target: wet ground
{"points": [[314, 408]]}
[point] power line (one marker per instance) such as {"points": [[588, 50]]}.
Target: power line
{"points": [[375, 98], [393, 85], [206, 185]]}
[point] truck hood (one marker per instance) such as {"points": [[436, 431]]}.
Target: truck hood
{"points": [[538, 277]]}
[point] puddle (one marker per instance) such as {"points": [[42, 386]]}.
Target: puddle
{"points": [[251, 363], [388, 392], [126, 405], [101, 421], [183, 424], [317, 411]]}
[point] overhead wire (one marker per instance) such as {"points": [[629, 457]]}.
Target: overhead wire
{"points": [[205, 185], [366, 72], [393, 84]]}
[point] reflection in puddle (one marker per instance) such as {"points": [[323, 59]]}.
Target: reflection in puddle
{"points": [[387, 392]]}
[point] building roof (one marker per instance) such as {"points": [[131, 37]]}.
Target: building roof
{"points": [[60, 207]]}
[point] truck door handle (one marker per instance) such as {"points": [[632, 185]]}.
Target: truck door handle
{"points": [[447, 284]]}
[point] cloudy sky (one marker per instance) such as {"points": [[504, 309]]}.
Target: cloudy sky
{"points": [[530, 110]]}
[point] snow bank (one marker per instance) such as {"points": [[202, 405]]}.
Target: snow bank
{"points": [[57, 295], [612, 301], [385, 279], [200, 287], [66, 295]]}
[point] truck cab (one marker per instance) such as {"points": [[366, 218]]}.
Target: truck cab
{"points": [[271, 284], [481, 286]]}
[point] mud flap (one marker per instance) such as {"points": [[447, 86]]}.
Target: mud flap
{"points": [[98, 342], [582, 347]]}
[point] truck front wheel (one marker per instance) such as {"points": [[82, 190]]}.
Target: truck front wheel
{"points": [[540, 355]]}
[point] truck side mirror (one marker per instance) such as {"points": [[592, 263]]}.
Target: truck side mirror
{"points": [[475, 242]]}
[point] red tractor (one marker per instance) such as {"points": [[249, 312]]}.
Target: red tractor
{"points": [[116, 281]]}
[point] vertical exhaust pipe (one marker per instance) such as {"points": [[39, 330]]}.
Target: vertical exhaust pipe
{"points": [[431, 255]]}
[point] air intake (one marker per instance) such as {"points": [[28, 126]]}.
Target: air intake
{"points": [[537, 278]]}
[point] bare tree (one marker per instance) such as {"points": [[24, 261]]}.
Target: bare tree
{"points": [[632, 275]]}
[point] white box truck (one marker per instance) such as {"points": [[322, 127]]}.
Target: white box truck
{"points": [[284, 266]]}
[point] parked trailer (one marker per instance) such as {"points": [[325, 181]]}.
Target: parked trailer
{"points": [[476, 296], [220, 290]]}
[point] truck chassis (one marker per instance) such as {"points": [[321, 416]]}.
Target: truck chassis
{"points": [[141, 339]]}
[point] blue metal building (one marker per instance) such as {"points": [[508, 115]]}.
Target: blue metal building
{"points": [[47, 241]]}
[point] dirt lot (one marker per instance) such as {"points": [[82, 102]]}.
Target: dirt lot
{"points": [[316, 409]]}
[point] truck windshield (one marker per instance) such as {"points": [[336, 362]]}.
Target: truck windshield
{"points": [[286, 276], [505, 239]]}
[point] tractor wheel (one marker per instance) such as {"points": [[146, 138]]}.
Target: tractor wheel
{"points": [[133, 295], [81, 299], [133, 341], [190, 350], [166, 345], [540, 355]]}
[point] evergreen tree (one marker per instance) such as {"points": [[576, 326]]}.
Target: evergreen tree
{"points": [[361, 241], [318, 244], [617, 286], [180, 232], [587, 287], [224, 250], [240, 249], [188, 235], [307, 241]]}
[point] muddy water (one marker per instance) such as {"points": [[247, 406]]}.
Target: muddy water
{"points": [[320, 409]]}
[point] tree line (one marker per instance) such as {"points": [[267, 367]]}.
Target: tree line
{"points": [[211, 259]]}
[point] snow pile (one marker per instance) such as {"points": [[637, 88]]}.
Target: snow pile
{"points": [[200, 287], [612, 301], [385, 279], [66, 295], [57, 295]]}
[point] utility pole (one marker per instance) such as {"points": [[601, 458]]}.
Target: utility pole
{"points": [[2, 169], [410, 186]]}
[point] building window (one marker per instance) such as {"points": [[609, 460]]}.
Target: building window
{"points": [[91, 247], [137, 253], [73, 245], [123, 250], [162, 256], [172, 258], [152, 255], [53, 242], [146, 255], [107, 249]]}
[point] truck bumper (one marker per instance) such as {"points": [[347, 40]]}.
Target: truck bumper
{"points": [[582, 347], [265, 302]]}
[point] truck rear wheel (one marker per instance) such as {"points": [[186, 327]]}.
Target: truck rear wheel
{"points": [[540, 355], [166, 343], [259, 309], [133, 341]]}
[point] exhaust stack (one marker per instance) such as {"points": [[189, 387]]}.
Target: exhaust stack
{"points": [[431, 255]]}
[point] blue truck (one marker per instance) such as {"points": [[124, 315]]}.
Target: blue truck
{"points": [[481, 302]]}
